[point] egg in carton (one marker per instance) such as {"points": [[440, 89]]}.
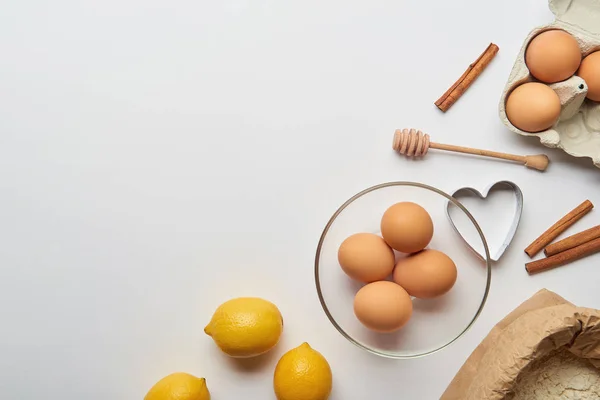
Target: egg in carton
{"points": [[577, 129]]}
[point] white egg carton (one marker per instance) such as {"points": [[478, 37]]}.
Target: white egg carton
{"points": [[577, 130]]}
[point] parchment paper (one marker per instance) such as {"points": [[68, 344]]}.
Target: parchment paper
{"points": [[540, 325]]}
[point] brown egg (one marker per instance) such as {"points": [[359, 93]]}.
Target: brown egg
{"points": [[427, 274], [553, 56], [366, 257], [533, 107], [590, 72], [407, 227], [383, 306]]}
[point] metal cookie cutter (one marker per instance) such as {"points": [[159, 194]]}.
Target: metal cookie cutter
{"points": [[513, 227]]}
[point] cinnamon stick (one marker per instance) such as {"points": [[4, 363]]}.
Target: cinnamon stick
{"points": [[558, 228], [573, 241], [467, 79], [563, 258]]}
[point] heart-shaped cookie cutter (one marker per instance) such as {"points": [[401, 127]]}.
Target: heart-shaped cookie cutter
{"points": [[513, 227]]}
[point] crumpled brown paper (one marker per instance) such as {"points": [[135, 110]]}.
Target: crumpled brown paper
{"points": [[540, 325]]}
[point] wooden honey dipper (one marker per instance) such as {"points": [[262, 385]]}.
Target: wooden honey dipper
{"points": [[414, 143]]}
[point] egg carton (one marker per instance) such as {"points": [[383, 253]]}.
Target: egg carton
{"points": [[577, 130]]}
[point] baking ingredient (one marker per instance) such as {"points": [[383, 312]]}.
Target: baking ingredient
{"points": [[553, 56], [427, 274], [366, 257], [563, 258], [590, 72], [573, 241], [467, 78], [302, 374], [407, 227], [245, 326], [558, 376], [559, 227], [543, 323], [383, 306], [179, 386], [414, 143], [533, 107]]}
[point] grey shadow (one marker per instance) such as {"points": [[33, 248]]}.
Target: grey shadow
{"points": [[353, 286], [437, 305], [256, 364], [399, 256], [387, 341], [450, 154]]}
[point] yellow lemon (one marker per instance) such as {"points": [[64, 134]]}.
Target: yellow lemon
{"points": [[302, 374], [245, 327], [179, 386]]}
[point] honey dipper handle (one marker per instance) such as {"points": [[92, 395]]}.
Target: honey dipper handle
{"points": [[539, 162]]}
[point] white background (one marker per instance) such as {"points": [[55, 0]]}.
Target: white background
{"points": [[160, 157]]}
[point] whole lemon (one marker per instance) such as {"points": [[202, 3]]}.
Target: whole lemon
{"points": [[302, 374], [246, 327], [179, 386]]}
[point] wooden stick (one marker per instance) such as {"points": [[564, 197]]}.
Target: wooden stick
{"points": [[415, 143], [573, 241], [467, 79], [539, 161], [558, 228], [563, 258]]}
